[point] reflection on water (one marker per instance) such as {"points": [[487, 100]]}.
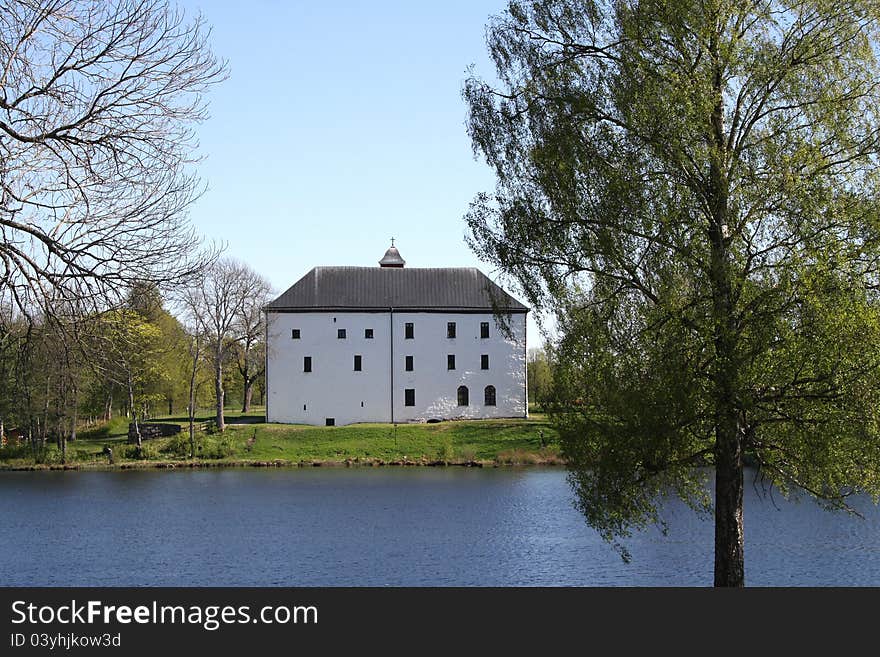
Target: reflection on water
{"points": [[388, 527]]}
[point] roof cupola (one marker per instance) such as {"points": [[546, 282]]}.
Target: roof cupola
{"points": [[392, 257]]}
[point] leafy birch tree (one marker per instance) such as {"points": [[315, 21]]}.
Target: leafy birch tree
{"points": [[132, 355], [692, 187]]}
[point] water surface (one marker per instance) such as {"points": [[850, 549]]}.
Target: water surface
{"points": [[388, 527]]}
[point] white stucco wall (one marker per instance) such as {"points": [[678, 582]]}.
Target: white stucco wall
{"points": [[334, 390], [437, 388]]}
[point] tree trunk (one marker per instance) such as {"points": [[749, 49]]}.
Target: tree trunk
{"points": [[248, 393], [137, 430], [75, 413], [218, 389], [729, 538], [45, 429], [32, 439], [192, 424], [194, 350], [729, 554]]}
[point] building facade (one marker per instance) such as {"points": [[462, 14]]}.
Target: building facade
{"points": [[394, 344]]}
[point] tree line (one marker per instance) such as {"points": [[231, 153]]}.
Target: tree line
{"points": [[61, 372]]}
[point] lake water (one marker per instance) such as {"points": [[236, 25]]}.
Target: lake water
{"points": [[388, 527]]}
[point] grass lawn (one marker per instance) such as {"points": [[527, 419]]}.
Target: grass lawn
{"points": [[249, 440]]}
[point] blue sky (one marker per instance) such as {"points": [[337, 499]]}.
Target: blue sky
{"points": [[340, 126]]}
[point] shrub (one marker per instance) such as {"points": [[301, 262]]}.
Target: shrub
{"points": [[446, 453], [467, 453], [220, 447], [145, 452], [549, 456], [179, 445], [517, 457], [22, 451]]}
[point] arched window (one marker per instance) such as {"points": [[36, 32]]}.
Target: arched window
{"points": [[489, 393], [463, 396]]}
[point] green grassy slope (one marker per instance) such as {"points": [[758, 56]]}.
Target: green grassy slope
{"points": [[249, 440]]}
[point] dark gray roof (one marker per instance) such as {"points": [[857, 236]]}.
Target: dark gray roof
{"points": [[372, 288]]}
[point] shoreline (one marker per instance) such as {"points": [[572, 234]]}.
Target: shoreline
{"points": [[280, 463]]}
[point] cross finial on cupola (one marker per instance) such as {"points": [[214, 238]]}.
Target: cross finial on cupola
{"points": [[392, 257]]}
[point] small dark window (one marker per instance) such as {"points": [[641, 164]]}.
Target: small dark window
{"points": [[408, 331], [450, 362], [489, 394], [409, 363], [484, 329], [450, 329], [340, 334], [362, 404], [330, 421], [409, 397], [294, 334], [357, 363], [484, 362], [307, 363], [304, 407], [368, 334], [463, 396]]}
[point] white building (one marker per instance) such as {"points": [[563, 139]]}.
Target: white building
{"points": [[394, 344]]}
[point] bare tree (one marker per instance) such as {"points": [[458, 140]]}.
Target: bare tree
{"points": [[251, 352], [215, 305], [97, 106]]}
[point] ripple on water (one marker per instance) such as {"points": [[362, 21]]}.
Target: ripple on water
{"points": [[389, 527]]}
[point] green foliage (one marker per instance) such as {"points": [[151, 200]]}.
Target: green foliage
{"points": [[218, 446], [64, 370], [136, 353], [148, 451], [467, 453], [540, 377], [13, 452], [446, 452], [116, 427], [692, 189], [179, 445]]}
